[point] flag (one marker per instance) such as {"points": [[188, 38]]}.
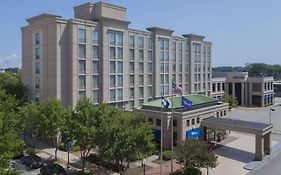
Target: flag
{"points": [[166, 103], [176, 88], [186, 103]]}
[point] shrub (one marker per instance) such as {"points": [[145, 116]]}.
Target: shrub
{"points": [[32, 151], [75, 148], [167, 155]]}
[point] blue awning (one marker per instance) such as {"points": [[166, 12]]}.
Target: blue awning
{"points": [[193, 133]]}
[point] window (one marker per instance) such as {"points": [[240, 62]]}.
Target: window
{"points": [[111, 38], [112, 94], [161, 44], [162, 55], [119, 39], [119, 53], [132, 67], [120, 67], [180, 47], [141, 67], [37, 82], [193, 121], [167, 68], [82, 66], [174, 45], [140, 102], [82, 95], [149, 55], [82, 51], [180, 57], [150, 120], [162, 79], [141, 92], [37, 68], [162, 68], [82, 35], [95, 52], [166, 56], [95, 81], [149, 91], [180, 68], [37, 38], [132, 93], [95, 66], [149, 67], [140, 79], [174, 68], [140, 54], [175, 123], [95, 96], [132, 54], [112, 81], [82, 82], [187, 122], [149, 43], [112, 67], [158, 122], [132, 80], [120, 80], [132, 41], [140, 42], [95, 37], [112, 54], [197, 120], [37, 53], [119, 94]]}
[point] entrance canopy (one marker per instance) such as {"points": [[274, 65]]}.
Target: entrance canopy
{"points": [[237, 125]]}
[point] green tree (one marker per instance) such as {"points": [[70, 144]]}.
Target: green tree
{"points": [[233, 103], [12, 84], [194, 154], [53, 118]]}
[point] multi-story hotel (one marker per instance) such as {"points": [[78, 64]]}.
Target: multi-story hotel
{"points": [[96, 55]]}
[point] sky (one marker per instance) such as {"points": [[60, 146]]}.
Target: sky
{"points": [[242, 31]]}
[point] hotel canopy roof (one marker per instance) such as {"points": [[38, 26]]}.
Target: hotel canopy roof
{"points": [[197, 101]]}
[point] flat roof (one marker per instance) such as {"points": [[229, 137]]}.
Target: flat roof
{"points": [[196, 99], [237, 125]]}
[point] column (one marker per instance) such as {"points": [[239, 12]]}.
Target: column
{"points": [[259, 148], [204, 133], [267, 144], [262, 100], [250, 94], [242, 94], [233, 89]]}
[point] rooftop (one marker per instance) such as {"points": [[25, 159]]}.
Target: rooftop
{"points": [[197, 100]]}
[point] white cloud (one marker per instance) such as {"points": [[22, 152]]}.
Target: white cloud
{"points": [[10, 61]]}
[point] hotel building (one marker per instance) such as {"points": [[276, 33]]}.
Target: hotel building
{"points": [[96, 55]]}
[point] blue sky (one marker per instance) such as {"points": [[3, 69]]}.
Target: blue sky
{"points": [[242, 31]]}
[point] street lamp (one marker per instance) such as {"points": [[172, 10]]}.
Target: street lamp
{"points": [[271, 109]]}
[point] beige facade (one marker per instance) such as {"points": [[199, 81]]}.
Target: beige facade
{"points": [[96, 55], [249, 91], [218, 87]]}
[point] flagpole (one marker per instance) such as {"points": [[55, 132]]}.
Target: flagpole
{"points": [[172, 130], [161, 139]]}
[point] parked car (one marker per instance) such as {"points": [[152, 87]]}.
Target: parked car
{"points": [[19, 155], [33, 161], [52, 169]]}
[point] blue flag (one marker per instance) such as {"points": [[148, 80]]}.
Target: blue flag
{"points": [[186, 103], [166, 103]]}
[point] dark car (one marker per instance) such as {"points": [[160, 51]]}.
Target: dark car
{"points": [[33, 161], [19, 155], [52, 169]]}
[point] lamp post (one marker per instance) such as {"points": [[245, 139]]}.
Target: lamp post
{"points": [[143, 163], [271, 109]]}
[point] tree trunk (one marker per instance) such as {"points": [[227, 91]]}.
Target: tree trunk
{"points": [[56, 151], [83, 164]]}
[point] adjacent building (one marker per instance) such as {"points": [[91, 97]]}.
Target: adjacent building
{"points": [[249, 91], [97, 55]]}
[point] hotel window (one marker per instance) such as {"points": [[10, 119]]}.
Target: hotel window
{"points": [[119, 39], [174, 57], [119, 81], [112, 94], [180, 57], [132, 80], [140, 67], [140, 54], [82, 95], [149, 67], [197, 120], [175, 123], [141, 92], [120, 66], [162, 55], [150, 120], [95, 52], [193, 121], [166, 56], [82, 51], [37, 38], [37, 68], [174, 68], [140, 79], [37, 82], [37, 53], [180, 68], [149, 43], [187, 122], [162, 68], [132, 54], [112, 54], [149, 55], [132, 41], [140, 42], [95, 96], [95, 66], [132, 93], [112, 81], [95, 37], [149, 79], [180, 47], [111, 38], [95, 81], [119, 53], [82, 36], [158, 122], [174, 45], [82, 82], [112, 67], [119, 94], [132, 67], [82, 67], [167, 68], [149, 91]]}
